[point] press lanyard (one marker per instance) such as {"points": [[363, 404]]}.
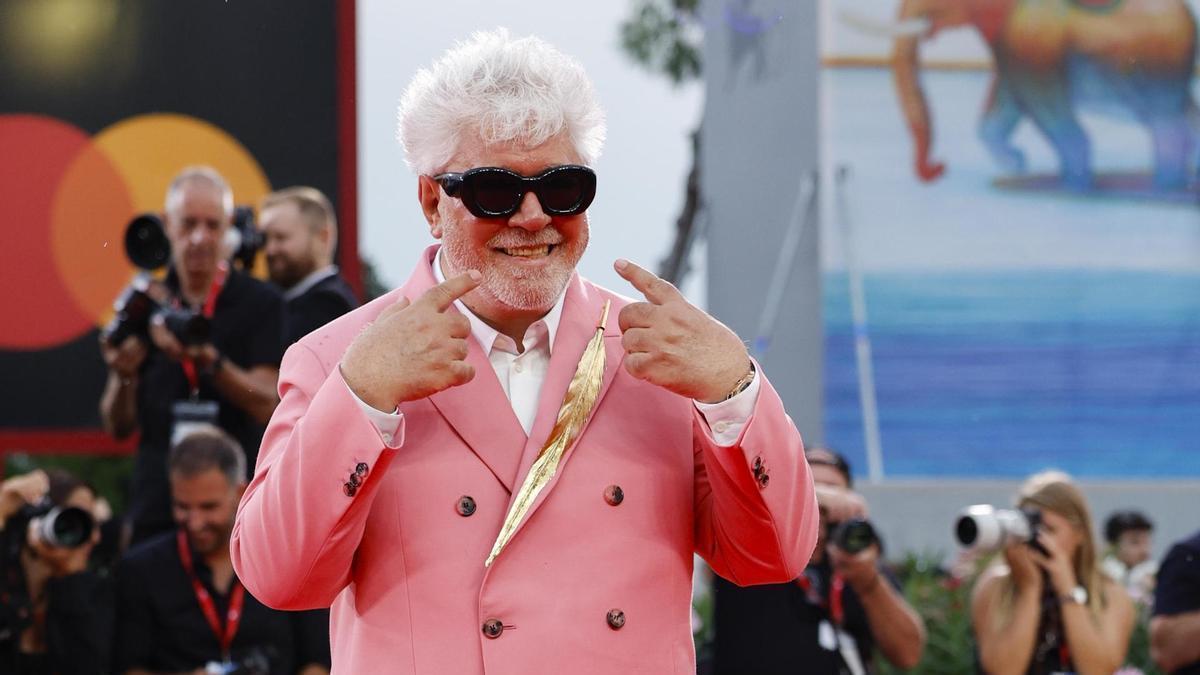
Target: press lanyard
{"points": [[837, 586], [237, 598], [210, 306]]}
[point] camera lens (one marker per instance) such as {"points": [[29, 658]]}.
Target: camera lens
{"points": [[966, 531], [146, 242], [67, 527], [854, 536]]}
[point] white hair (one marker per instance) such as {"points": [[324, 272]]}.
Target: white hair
{"points": [[199, 174], [504, 89]]}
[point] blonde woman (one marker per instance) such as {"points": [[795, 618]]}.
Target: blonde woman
{"points": [[1051, 611]]}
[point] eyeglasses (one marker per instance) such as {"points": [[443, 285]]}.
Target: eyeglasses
{"points": [[492, 192]]}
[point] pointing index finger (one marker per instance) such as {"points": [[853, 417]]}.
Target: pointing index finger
{"points": [[656, 290], [444, 294]]}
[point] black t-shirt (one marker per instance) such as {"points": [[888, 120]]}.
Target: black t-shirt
{"points": [[325, 301], [161, 628], [1178, 586], [247, 328], [775, 629]]}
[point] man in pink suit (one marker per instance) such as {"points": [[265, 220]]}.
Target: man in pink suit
{"points": [[407, 427]]}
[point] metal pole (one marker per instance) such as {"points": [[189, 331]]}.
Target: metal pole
{"points": [[862, 338], [802, 215]]}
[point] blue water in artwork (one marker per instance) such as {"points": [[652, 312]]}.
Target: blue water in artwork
{"points": [[1006, 373], [1012, 330]]}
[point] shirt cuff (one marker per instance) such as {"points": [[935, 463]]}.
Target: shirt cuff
{"points": [[389, 425], [727, 418]]}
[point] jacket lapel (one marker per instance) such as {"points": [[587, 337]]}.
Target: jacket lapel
{"points": [[478, 411], [581, 312]]}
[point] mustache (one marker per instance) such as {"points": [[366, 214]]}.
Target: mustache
{"points": [[545, 237]]}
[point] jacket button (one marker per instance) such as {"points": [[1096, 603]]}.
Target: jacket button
{"points": [[616, 619], [361, 469], [350, 489], [465, 506], [492, 628], [614, 495], [758, 465], [763, 479], [355, 480]]}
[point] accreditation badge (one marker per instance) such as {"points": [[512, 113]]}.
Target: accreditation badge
{"points": [[191, 415]]}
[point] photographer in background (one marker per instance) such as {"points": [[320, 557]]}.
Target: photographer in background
{"points": [[1175, 628], [55, 613], [834, 618], [300, 232], [212, 354], [1051, 610], [1128, 560], [181, 608]]}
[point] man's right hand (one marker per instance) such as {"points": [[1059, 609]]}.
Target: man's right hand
{"points": [[413, 349], [18, 491], [125, 358]]}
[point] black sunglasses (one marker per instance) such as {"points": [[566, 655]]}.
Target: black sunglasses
{"points": [[492, 192]]}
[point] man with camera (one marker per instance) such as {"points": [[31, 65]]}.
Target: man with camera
{"points": [[181, 608], [300, 235], [834, 617], [55, 613], [210, 354]]}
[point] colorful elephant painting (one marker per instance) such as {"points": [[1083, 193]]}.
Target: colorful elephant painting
{"points": [[1053, 57]]}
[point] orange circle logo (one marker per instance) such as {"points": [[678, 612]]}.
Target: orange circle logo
{"points": [[68, 199]]}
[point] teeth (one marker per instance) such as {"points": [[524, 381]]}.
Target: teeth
{"points": [[528, 251]]}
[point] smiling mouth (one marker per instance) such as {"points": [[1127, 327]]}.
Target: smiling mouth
{"points": [[528, 251]]}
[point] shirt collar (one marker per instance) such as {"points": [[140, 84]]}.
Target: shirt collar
{"points": [[484, 334], [308, 282]]}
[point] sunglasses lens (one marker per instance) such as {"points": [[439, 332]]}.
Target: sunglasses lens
{"points": [[562, 191], [496, 192]]}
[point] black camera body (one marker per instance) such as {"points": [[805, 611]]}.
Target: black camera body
{"points": [[854, 535], [188, 326]]}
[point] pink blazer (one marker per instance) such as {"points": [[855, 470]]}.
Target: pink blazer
{"points": [[597, 579]]}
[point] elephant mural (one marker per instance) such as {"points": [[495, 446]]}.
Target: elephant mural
{"points": [[1053, 57]]}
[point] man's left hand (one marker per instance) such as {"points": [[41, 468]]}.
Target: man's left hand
{"points": [[672, 343], [860, 570]]}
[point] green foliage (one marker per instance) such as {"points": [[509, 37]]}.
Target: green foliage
{"points": [[661, 35], [108, 474], [944, 605]]}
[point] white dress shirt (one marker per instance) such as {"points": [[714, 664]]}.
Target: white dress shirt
{"points": [[521, 372]]}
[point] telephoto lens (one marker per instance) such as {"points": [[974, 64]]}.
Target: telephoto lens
{"points": [[987, 528], [66, 527], [146, 243], [854, 536]]}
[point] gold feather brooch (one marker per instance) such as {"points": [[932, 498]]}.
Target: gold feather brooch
{"points": [[577, 406]]}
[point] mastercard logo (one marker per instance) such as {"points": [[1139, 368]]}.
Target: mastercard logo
{"points": [[66, 198]]}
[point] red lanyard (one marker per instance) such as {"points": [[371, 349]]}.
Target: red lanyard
{"points": [[210, 306], [837, 586], [233, 615]]}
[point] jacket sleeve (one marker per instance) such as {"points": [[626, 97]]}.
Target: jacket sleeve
{"points": [[298, 524], [756, 510]]}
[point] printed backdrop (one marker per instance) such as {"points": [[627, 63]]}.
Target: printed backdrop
{"points": [[1037, 304]]}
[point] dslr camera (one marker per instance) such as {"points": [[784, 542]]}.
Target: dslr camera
{"points": [[147, 247], [60, 526], [854, 535], [986, 528]]}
